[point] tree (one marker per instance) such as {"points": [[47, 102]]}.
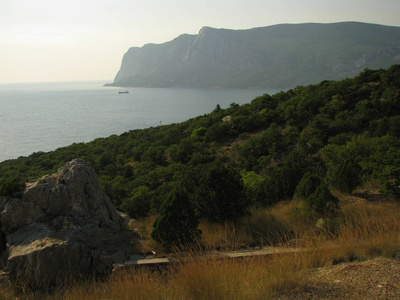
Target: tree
{"points": [[219, 193], [347, 176], [283, 180], [183, 151], [199, 132], [322, 201], [177, 222], [217, 108], [139, 204], [155, 155], [253, 186], [390, 179], [12, 186], [307, 185]]}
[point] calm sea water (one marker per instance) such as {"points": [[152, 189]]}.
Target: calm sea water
{"points": [[45, 116]]}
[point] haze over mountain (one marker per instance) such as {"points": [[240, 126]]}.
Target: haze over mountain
{"points": [[279, 56]]}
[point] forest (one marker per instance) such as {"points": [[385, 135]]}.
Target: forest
{"points": [[303, 143]]}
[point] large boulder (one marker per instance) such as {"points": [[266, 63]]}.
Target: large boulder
{"points": [[62, 227]]}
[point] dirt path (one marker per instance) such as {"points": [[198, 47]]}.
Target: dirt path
{"points": [[372, 279], [218, 255]]}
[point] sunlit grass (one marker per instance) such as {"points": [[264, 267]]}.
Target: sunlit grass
{"points": [[253, 278], [367, 229]]}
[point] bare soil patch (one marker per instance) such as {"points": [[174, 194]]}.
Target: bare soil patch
{"points": [[372, 279]]}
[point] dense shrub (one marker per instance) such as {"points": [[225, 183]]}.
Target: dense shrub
{"points": [[139, 205], [12, 186], [322, 202], [347, 176], [218, 191], [176, 225], [307, 185]]}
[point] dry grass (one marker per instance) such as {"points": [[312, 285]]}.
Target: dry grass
{"points": [[368, 229], [253, 278], [262, 227]]}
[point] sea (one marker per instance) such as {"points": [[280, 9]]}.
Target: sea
{"points": [[38, 117]]}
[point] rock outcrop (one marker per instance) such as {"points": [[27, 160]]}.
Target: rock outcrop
{"points": [[63, 227]]}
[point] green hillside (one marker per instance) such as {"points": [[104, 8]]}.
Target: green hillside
{"points": [[307, 142]]}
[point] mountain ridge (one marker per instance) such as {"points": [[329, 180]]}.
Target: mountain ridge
{"points": [[277, 56]]}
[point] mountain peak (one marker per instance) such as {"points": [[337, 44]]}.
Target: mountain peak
{"points": [[278, 56]]}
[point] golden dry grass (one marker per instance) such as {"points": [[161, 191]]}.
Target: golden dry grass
{"points": [[367, 229], [253, 278]]}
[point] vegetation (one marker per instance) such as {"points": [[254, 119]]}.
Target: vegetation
{"points": [[11, 186], [177, 222], [347, 176], [309, 141], [369, 229], [318, 164]]}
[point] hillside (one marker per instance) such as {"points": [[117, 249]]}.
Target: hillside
{"points": [[339, 134], [316, 167], [279, 56]]}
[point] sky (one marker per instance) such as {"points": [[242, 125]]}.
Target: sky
{"points": [[76, 40]]}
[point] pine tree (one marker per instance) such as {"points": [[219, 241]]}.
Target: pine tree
{"points": [[177, 222], [347, 176], [307, 185], [322, 201]]}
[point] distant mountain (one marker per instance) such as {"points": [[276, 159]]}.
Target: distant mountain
{"points": [[279, 56]]}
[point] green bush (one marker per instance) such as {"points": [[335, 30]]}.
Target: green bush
{"points": [[139, 205], [253, 187], [347, 176], [307, 185], [12, 186], [219, 192], [322, 202], [176, 225]]}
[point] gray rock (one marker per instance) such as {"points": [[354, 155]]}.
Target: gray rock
{"points": [[43, 262], [119, 257], [3, 201], [102, 263], [18, 212], [62, 227], [3, 247]]}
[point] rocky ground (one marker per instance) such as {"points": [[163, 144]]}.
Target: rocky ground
{"points": [[372, 279]]}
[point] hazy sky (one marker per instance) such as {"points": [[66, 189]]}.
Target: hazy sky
{"points": [[59, 40]]}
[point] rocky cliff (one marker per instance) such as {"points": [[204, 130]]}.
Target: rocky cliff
{"points": [[62, 227], [280, 56]]}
